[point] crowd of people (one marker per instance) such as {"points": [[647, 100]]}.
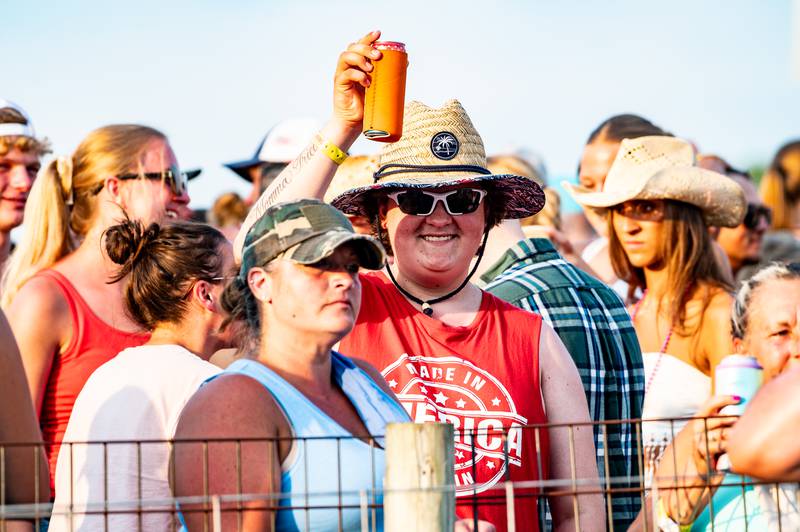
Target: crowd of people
{"points": [[160, 354]]}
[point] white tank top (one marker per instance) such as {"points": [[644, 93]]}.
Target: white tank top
{"points": [[137, 395], [676, 390]]}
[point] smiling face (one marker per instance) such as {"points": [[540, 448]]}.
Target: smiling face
{"points": [[152, 200], [321, 298], [639, 227], [18, 169], [434, 251], [773, 326]]}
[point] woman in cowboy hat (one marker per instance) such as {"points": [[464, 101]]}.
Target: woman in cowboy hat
{"points": [[659, 206], [450, 351]]}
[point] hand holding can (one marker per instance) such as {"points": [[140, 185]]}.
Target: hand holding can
{"points": [[739, 375], [736, 375], [384, 99]]}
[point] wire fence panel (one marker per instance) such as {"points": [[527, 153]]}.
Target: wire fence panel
{"points": [[337, 484]]}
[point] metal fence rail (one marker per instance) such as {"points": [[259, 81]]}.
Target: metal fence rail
{"points": [[508, 490]]}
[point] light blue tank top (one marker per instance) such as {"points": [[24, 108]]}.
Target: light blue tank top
{"points": [[331, 468], [736, 508]]}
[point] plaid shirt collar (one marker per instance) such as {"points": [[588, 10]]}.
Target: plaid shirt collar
{"points": [[526, 248]]}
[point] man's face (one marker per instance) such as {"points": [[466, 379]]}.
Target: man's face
{"points": [[742, 244], [18, 169]]}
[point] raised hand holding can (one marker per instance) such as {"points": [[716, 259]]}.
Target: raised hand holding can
{"points": [[385, 97]]}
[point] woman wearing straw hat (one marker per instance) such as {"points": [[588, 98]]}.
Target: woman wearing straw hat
{"points": [[659, 206], [449, 351]]}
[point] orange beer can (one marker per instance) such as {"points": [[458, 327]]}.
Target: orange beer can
{"points": [[385, 97]]}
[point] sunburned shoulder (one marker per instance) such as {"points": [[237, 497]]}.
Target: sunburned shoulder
{"points": [[232, 405], [720, 305], [40, 297]]}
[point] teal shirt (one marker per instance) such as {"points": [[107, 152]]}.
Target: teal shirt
{"points": [[734, 507]]}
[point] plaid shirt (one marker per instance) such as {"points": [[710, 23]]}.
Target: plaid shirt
{"points": [[594, 325]]}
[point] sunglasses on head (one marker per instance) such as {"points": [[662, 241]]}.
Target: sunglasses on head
{"points": [[423, 203], [177, 181], [754, 215]]}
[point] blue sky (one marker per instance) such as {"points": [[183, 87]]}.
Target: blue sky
{"points": [[538, 74]]}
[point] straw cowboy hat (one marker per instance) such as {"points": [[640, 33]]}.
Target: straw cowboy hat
{"points": [[441, 148], [657, 167]]}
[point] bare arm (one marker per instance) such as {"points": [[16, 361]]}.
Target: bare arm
{"points": [[18, 424], [565, 402], [763, 443], [309, 175], [227, 408], [39, 317], [686, 475]]}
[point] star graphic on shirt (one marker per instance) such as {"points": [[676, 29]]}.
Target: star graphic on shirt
{"points": [[392, 383], [495, 402], [423, 389], [441, 398], [461, 403], [459, 454], [490, 465]]}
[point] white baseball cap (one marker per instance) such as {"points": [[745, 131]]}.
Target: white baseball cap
{"points": [[282, 144], [15, 129]]}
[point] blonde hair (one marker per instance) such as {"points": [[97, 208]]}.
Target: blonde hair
{"points": [[780, 185], [63, 199], [228, 209], [39, 147], [550, 215]]}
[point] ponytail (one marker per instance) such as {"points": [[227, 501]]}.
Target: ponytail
{"points": [[47, 237], [64, 198]]}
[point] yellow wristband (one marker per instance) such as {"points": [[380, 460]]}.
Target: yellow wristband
{"points": [[332, 150]]}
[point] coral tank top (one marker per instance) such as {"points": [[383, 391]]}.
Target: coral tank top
{"points": [[93, 343]]}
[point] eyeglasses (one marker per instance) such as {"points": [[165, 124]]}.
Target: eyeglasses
{"points": [[422, 203], [754, 215], [178, 181], [642, 210]]}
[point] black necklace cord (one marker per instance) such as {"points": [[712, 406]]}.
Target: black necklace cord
{"points": [[426, 305]]}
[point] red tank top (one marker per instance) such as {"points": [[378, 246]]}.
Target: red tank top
{"points": [[93, 343], [482, 378]]}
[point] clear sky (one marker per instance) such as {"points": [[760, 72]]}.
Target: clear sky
{"points": [[215, 75]]}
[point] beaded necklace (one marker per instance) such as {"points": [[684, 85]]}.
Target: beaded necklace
{"points": [[663, 347]]}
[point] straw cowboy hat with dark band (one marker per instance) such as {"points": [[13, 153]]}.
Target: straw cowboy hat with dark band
{"points": [[656, 167], [441, 148]]}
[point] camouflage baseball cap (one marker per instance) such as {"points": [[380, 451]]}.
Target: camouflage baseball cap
{"points": [[306, 231]]}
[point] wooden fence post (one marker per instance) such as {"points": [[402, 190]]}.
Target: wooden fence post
{"points": [[420, 491]]}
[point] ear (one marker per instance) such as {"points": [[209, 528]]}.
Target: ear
{"points": [[382, 210], [201, 293], [714, 232], [113, 186], [260, 283], [738, 346]]}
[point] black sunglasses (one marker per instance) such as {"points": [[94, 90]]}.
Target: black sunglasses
{"points": [[176, 180], [422, 203], [754, 215]]}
